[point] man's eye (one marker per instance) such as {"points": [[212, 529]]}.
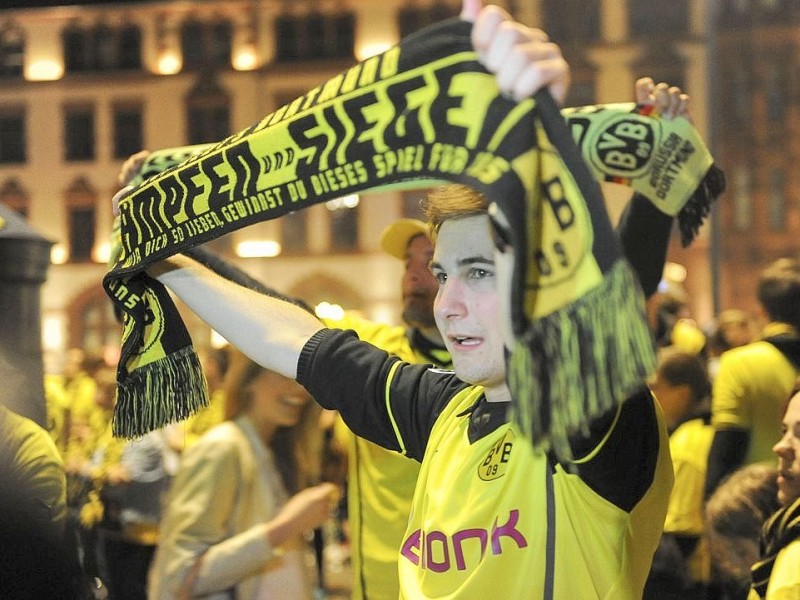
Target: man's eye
{"points": [[440, 277], [478, 273]]}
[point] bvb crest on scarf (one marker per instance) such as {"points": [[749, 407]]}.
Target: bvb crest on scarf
{"points": [[422, 113]]}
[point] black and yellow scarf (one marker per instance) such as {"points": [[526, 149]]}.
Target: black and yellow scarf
{"points": [[780, 530], [421, 113]]}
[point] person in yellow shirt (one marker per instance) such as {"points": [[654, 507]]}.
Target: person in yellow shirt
{"points": [[753, 381], [682, 388], [380, 483]]}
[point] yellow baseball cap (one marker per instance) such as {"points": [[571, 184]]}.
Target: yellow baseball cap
{"points": [[394, 239]]}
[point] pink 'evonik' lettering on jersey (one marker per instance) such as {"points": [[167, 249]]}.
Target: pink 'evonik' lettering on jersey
{"points": [[438, 540]]}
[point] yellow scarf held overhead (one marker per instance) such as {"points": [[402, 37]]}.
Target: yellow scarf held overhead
{"points": [[421, 113]]}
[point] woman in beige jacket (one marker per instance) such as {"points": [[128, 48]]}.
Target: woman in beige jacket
{"points": [[231, 528]]}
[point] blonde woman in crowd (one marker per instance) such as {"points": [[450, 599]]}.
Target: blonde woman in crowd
{"points": [[236, 514], [776, 576]]}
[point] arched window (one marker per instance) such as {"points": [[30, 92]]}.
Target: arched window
{"points": [[92, 324], [208, 111], [15, 197]]}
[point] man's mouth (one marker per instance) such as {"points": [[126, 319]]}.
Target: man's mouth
{"points": [[464, 340]]}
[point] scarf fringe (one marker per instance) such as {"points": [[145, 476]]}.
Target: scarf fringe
{"points": [[698, 207], [579, 362], [780, 530], [144, 401]]}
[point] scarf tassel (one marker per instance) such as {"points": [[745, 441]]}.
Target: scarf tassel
{"points": [[145, 402], [579, 362], [698, 207]]}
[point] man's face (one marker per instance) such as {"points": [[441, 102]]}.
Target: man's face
{"points": [[788, 451], [466, 306], [419, 286]]}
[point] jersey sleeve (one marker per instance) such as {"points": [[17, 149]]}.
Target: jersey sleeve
{"points": [[727, 397], [381, 398], [618, 459]]}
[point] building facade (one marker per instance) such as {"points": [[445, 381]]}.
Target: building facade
{"points": [[82, 87]]}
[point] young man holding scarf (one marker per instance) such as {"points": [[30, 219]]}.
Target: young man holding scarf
{"points": [[492, 513]]}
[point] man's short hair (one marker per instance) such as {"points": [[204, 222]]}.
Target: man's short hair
{"points": [[453, 201], [779, 291]]}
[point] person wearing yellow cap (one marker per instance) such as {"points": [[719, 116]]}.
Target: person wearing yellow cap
{"points": [[380, 483]]}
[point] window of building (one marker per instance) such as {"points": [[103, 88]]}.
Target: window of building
{"points": [[12, 50], [206, 45], [127, 130], [208, 111], [104, 48], [742, 199], [647, 17], [130, 47], [101, 47], [15, 197], [776, 200], [76, 49], [413, 18], [81, 205], [294, 232], [79, 133], [313, 36], [12, 135], [572, 20]]}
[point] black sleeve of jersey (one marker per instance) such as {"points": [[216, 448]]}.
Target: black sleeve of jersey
{"points": [[728, 452], [623, 469], [644, 233], [354, 377]]}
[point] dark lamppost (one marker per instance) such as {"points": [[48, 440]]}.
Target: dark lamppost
{"points": [[24, 259]]}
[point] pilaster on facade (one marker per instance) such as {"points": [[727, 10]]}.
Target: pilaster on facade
{"points": [[614, 21], [614, 79], [695, 54]]}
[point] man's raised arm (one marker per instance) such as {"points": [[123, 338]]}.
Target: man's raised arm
{"points": [[270, 331]]}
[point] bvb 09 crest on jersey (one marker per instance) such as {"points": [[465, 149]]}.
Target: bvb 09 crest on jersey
{"points": [[496, 462]]}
